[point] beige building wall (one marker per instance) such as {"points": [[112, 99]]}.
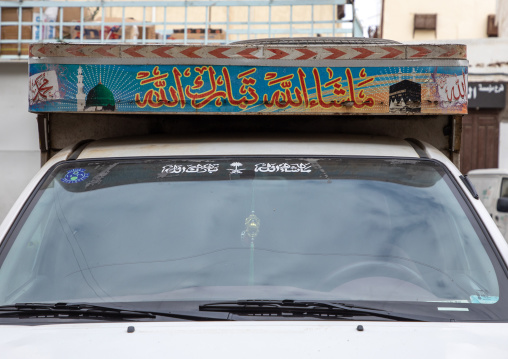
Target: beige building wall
{"points": [[502, 18], [456, 19]]}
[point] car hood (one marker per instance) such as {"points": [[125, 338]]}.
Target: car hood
{"points": [[255, 340]]}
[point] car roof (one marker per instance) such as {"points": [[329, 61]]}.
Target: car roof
{"points": [[156, 146]]}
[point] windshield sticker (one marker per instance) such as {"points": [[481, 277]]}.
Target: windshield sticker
{"points": [[236, 169], [484, 299], [75, 175], [206, 168], [283, 167], [453, 309]]}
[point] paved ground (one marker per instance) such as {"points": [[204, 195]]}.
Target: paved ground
{"points": [[16, 170]]}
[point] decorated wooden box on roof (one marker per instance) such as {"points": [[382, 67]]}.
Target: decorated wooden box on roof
{"points": [[250, 79]]}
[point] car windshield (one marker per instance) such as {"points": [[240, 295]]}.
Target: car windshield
{"points": [[378, 230]]}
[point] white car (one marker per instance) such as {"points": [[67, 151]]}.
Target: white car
{"points": [[492, 187], [355, 247]]}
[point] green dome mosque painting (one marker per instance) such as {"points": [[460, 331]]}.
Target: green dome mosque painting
{"points": [[100, 97]]}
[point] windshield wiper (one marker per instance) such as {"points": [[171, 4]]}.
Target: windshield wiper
{"points": [[92, 311], [295, 308]]}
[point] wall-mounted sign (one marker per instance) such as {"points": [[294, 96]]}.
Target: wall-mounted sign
{"points": [[398, 79], [250, 89], [487, 95]]}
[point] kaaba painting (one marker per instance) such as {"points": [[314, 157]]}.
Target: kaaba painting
{"points": [[405, 96]]}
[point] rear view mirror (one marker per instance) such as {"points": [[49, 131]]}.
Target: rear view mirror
{"points": [[502, 204]]}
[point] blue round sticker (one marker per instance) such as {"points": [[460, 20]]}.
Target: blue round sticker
{"points": [[75, 175]]}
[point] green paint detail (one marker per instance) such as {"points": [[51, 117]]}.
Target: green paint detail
{"points": [[100, 95]]}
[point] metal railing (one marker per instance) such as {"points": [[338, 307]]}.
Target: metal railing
{"points": [[187, 22]]}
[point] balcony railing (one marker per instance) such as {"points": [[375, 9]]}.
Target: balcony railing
{"points": [[186, 22]]}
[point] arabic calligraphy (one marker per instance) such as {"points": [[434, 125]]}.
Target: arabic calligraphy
{"points": [[491, 88], [300, 96], [40, 88], [158, 98], [44, 87], [198, 168], [473, 89], [202, 86], [236, 168], [283, 167], [453, 88], [226, 88]]}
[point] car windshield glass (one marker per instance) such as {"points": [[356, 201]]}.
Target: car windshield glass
{"points": [[373, 230]]}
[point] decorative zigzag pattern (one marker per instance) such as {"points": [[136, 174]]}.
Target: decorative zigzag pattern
{"points": [[324, 52]]}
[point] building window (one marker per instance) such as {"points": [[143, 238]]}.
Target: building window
{"points": [[491, 26], [425, 22], [341, 12]]}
